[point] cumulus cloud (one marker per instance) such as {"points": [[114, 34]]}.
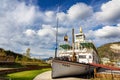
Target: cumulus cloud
{"points": [[110, 12], [105, 32], [30, 32], [16, 13], [79, 11], [49, 30], [50, 16], [108, 32], [79, 14], [76, 12], [104, 35], [61, 16], [24, 14], [46, 30]]}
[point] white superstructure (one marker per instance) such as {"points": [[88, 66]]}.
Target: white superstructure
{"points": [[84, 50]]}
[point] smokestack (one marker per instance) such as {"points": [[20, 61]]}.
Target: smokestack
{"points": [[73, 47]]}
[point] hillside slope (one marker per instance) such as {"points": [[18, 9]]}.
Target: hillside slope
{"points": [[9, 53], [7, 56], [106, 51]]}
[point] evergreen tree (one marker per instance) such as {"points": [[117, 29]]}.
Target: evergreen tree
{"points": [[17, 59], [24, 58], [2, 53], [28, 53]]}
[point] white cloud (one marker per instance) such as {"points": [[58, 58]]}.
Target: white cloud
{"points": [[24, 14], [108, 32], [79, 11], [110, 12], [61, 16], [105, 32], [104, 35], [77, 15], [118, 24], [30, 32], [49, 16], [47, 30]]}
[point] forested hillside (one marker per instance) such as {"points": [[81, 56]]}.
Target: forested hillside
{"points": [[106, 51]]}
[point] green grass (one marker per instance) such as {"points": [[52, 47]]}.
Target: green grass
{"points": [[26, 75], [44, 64]]}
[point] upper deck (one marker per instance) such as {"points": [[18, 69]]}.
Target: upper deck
{"points": [[81, 50]]}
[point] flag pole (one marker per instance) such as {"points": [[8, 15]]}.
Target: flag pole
{"points": [[56, 39]]}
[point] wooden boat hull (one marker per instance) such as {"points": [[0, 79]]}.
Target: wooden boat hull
{"points": [[66, 68]]}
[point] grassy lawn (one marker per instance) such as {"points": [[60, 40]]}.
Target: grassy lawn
{"points": [[26, 75]]}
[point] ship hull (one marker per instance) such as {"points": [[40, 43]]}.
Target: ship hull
{"points": [[65, 68]]}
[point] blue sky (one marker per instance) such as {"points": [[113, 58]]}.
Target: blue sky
{"points": [[31, 23], [63, 4]]}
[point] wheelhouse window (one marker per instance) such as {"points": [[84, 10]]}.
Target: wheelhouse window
{"points": [[82, 56], [78, 36]]}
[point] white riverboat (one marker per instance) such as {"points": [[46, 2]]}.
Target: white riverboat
{"points": [[75, 59]]}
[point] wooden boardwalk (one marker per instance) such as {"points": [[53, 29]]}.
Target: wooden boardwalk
{"points": [[108, 74]]}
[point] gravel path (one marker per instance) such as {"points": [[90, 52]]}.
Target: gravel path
{"points": [[47, 76]]}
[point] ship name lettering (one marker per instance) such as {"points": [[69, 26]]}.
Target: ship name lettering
{"points": [[67, 65]]}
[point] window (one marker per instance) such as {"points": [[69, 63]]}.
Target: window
{"points": [[82, 56], [78, 35], [90, 57]]}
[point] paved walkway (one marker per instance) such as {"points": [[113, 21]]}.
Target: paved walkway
{"points": [[47, 76]]}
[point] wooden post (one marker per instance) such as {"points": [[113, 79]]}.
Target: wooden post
{"points": [[95, 73], [112, 75]]}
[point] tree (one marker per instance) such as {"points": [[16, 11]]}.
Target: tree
{"points": [[17, 59], [24, 58], [2, 53], [28, 53]]}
